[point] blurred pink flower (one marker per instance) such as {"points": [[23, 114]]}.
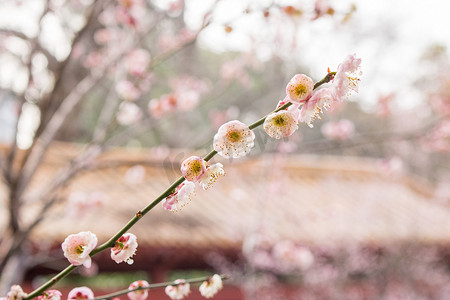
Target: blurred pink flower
{"points": [[391, 166], [182, 196], [339, 130], [89, 272], [107, 35], [211, 287], [383, 105], [178, 291], [80, 203], [128, 113], [218, 117], [77, 248], [127, 91], [82, 292], [233, 139], [438, 139], [135, 174], [139, 294], [235, 70], [136, 62], [124, 249], [290, 257]]}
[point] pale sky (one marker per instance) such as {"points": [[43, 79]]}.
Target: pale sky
{"points": [[389, 35]]}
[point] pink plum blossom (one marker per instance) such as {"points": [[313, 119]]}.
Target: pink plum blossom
{"points": [[438, 138], [16, 293], [178, 291], [233, 139], [128, 113], [139, 294], [124, 249], [158, 108], [391, 166], [339, 130], [82, 292], [312, 109], [106, 35], [127, 91], [210, 287], [280, 124], [346, 79], [299, 89], [51, 295], [193, 168], [180, 197], [235, 70], [77, 248]]}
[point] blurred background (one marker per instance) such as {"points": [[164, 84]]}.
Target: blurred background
{"points": [[100, 102]]}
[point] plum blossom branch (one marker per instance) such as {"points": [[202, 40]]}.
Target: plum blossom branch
{"points": [[157, 285], [112, 241]]}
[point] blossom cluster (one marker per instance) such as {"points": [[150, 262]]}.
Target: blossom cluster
{"points": [[77, 248], [138, 290], [235, 139], [300, 91]]}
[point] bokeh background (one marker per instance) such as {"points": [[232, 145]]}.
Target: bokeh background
{"points": [[100, 101]]}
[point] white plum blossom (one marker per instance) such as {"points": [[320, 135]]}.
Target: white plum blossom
{"points": [[299, 88], [82, 292], [211, 175], [16, 293], [178, 291], [139, 294], [193, 168], [51, 295], [180, 197], [210, 287], [233, 139], [197, 170], [124, 249], [77, 248], [280, 124]]}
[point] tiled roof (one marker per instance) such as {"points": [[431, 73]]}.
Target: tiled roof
{"points": [[312, 199]]}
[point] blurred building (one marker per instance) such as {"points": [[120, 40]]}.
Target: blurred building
{"points": [[316, 202]]}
